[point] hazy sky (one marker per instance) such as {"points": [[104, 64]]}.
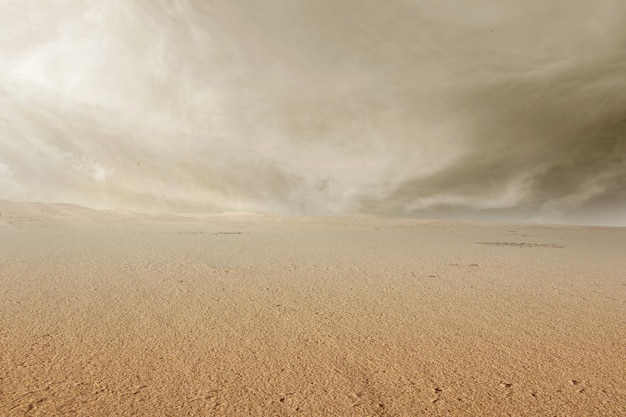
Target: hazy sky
{"points": [[471, 109]]}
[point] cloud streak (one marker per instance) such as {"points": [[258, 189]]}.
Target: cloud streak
{"points": [[482, 109]]}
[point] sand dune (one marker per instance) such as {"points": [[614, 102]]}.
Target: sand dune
{"points": [[117, 314]]}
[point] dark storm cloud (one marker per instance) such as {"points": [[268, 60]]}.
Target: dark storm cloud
{"points": [[552, 143]]}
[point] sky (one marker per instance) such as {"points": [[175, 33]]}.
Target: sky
{"points": [[505, 110]]}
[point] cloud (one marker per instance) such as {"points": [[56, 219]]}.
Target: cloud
{"points": [[503, 110]]}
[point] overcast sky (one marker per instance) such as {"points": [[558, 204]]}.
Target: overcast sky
{"points": [[467, 109]]}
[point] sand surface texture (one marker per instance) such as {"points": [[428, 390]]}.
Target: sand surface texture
{"points": [[120, 314]]}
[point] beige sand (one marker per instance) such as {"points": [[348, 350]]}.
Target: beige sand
{"points": [[117, 314]]}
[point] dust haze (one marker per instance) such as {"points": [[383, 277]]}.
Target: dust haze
{"points": [[481, 109]]}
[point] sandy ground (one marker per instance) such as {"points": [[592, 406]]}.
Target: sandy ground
{"points": [[119, 314]]}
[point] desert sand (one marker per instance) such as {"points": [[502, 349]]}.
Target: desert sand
{"points": [[108, 313]]}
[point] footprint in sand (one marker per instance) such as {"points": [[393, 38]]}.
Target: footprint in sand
{"points": [[576, 382], [436, 391]]}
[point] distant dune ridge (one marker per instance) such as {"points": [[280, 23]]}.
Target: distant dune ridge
{"points": [[466, 109], [120, 313]]}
